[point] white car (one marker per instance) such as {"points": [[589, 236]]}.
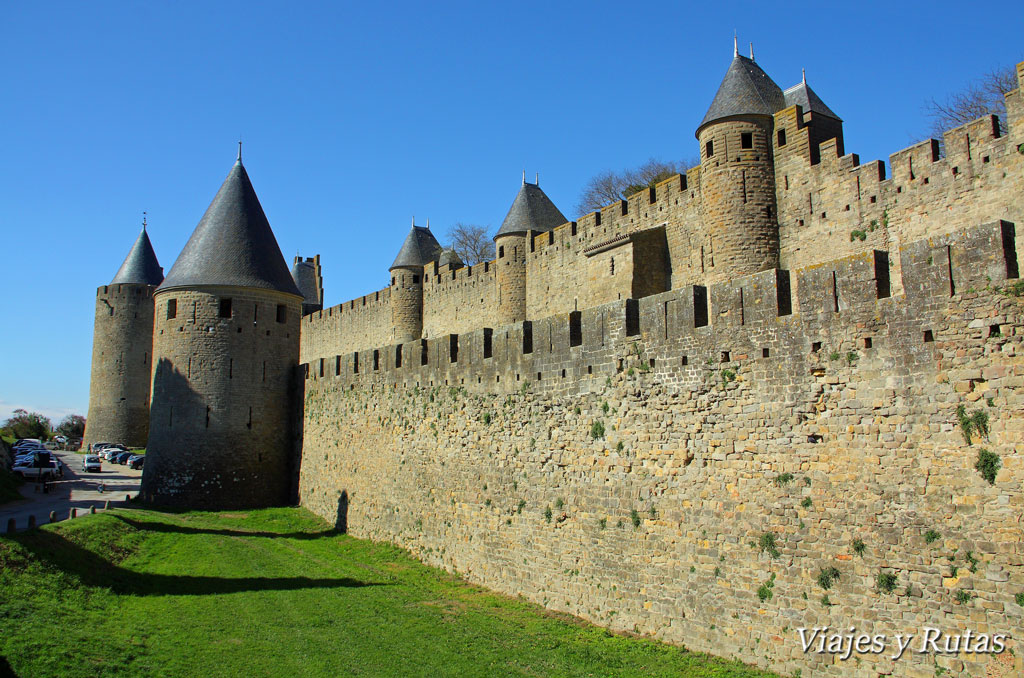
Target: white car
{"points": [[91, 462]]}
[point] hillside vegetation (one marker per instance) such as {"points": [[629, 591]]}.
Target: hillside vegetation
{"points": [[278, 593]]}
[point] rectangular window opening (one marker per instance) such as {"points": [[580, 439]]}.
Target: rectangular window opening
{"points": [[700, 306], [815, 346], [282, 313], [424, 352], [765, 353], [575, 328], [746, 140], [172, 308], [398, 356], [782, 137], [709, 149], [225, 308], [488, 342], [453, 347], [725, 356], [337, 365], [355, 363], [376, 360], [867, 342], [527, 337], [929, 336]]}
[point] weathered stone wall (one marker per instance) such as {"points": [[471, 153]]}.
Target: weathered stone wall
{"points": [[122, 347], [359, 323], [459, 300], [813, 406], [406, 304], [220, 432]]}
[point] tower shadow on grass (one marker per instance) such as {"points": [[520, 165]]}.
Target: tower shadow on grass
{"points": [[92, 570], [187, 529]]}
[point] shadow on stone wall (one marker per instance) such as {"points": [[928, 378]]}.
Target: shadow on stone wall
{"points": [[341, 522]]}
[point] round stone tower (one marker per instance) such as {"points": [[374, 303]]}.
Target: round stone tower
{"points": [[737, 178], [225, 351], [419, 249], [531, 211], [122, 350]]}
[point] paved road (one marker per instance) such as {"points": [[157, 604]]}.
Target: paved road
{"points": [[78, 490]]}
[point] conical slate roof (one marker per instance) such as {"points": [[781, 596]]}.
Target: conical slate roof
{"points": [[449, 257], [233, 244], [745, 90], [304, 275], [532, 210], [806, 98], [419, 249], [140, 266]]}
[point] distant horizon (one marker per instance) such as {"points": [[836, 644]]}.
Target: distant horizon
{"points": [[354, 119]]}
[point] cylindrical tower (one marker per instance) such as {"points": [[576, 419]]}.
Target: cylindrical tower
{"points": [[510, 260], [419, 249], [122, 350], [737, 178], [531, 211], [226, 348]]}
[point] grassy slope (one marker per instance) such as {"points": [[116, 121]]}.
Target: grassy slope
{"points": [[276, 593]]}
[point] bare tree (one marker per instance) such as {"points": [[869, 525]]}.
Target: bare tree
{"points": [[607, 187], [471, 243], [982, 97]]}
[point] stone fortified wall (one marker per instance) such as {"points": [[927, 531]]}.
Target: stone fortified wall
{"points": [[828, 205], [687, 464]]}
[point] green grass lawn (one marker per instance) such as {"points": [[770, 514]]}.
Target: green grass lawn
{"points": [[278, 593]]}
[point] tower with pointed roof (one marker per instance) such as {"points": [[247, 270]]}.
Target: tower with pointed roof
{"points": [[531, 212], [122, 350], [737, 177], [419, 249], [225, 351]]}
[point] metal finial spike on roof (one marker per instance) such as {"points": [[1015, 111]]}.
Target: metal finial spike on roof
{"points": [[735, 44], [524, 177], [537, 179], [803, 75], [414, 220], [239, 150], [428, 223], [751, 51], [143, 220]]}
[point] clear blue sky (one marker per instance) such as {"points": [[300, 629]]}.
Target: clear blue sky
{"points": [[357, 116]]}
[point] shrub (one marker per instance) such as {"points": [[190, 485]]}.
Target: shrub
{"points": [[767, 544], [963, 597], [886, 582], [727, 376], [1019, 599], [857, 234], [605, 407], [764, 592], [827, 576], [487, 418], [547, 514], [619, 446], [635, 517], [834, 355], [597, 430], [825, 601], [974, 423], [859, 547], [559, 503], [783, 478], [806, 503], [988, 465], [603, 523], [931, 536], [519, 508]]}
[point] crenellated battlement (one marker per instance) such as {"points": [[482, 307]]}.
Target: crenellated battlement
{"points": [[725, 322]]}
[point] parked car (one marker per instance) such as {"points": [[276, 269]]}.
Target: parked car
{"points": [[136, 461], [91, 462], [29, 472], [110, 451], [122, 458], [96, 447]]}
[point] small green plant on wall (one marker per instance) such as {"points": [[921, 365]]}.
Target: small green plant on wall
{"points": [[886, 582], [765, 591], [987, 465]]}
